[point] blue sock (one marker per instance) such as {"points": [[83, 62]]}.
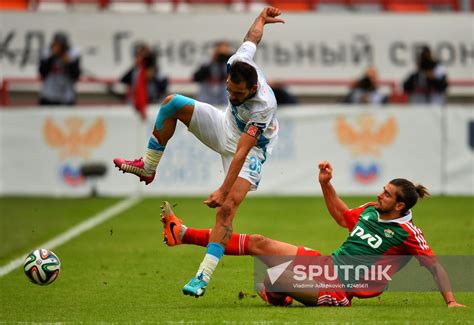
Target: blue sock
{"points": [[215, 249], [214, 252], [154, 145]]}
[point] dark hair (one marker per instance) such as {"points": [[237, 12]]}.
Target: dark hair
{"points": [[366, 84], [408, 193], [62, 39], [149, 60], [241, 71], [425, 59]]}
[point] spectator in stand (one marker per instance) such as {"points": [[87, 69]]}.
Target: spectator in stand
{"points": [[428, 84], [212, 76], [366, 90], [59, 69], [144, 80], [282, 94]]}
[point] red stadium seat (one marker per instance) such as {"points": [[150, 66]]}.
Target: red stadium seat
{"points": [[296, 5], [406, 6], [14, 5]]}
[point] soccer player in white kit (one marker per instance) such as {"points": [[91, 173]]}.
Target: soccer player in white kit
{"points": [[243, 135]]}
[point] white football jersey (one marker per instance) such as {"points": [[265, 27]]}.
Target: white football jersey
{"points": [[259, 111]]}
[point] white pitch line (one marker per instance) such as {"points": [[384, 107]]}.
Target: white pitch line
{"points": [[75, 231]]}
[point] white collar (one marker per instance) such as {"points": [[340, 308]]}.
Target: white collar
{"points": [[407, 217]]}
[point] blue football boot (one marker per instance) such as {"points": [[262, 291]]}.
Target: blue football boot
{"points": [[196, 287]]}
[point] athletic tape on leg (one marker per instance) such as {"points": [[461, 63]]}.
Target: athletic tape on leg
{"points": [[154, 145], [171, 108]]}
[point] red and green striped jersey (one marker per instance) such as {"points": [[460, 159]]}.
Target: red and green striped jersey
{"points": [[371, 238], [369, 235]]}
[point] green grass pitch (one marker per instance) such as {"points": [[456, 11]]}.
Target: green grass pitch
{"points": [[121, 272]]}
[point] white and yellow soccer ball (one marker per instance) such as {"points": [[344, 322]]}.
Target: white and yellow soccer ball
{"points": [[42, 266]]}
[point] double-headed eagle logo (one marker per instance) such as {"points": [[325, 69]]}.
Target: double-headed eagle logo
{"points": [[368, 137], [74, 140]]}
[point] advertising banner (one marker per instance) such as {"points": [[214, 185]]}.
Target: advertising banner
{"points": [[459, 151], [308, 46], [367, 147], [44, 150]]}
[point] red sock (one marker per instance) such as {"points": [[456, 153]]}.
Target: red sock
{"points": [[198, 237], [237, 245]]}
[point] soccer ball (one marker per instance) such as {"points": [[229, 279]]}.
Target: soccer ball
{"points": [[42, 266]]}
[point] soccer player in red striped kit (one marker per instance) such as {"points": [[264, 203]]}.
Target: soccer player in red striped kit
{"points": [[388, 221]]}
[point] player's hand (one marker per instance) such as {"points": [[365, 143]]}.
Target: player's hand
{"points": [[325, 171], [269, 15], [453, 304], [216, 199]]}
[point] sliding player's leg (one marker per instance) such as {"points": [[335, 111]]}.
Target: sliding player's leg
{"points": [[176, 233]]}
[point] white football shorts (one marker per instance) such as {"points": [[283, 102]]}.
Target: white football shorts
{"points": [[208, 124]]}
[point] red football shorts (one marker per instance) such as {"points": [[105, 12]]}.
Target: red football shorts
{"points": [[325, 298]]}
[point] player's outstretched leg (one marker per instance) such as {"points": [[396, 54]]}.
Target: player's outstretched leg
{"points": [[173, 108], [176, 233], [173, 228]]}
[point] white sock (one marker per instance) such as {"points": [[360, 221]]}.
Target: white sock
{"points": [[207, 267], [182, 231], [152, 159]]}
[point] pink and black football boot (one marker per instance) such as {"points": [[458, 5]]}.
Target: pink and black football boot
{"points": [[135, 167]]}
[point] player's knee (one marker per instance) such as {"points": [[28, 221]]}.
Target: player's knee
{"points": [[168, 99], [170, 106], [175, 102]]}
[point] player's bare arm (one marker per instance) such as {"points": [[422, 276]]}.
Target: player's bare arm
{"points": [[267, 16], [335, 205], [246, 143], [441, 278]]}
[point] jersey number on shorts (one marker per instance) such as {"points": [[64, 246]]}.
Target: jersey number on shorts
{"points": [[255, 165]]}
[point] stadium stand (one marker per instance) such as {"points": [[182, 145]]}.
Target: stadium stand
{"points": [[394, 6], [12, 87]]}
